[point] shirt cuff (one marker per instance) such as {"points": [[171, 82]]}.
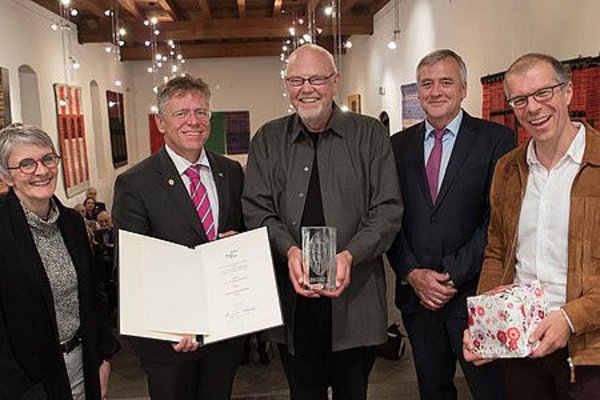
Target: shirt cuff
{"points": [[564, 313]]}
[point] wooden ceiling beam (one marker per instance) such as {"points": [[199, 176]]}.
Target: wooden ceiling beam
{"points": [[211, 50], [96, 7], [230, 28], [171, 9], [241, 4], [347, 6], [277, 7], [131, 8], [205, 8]]}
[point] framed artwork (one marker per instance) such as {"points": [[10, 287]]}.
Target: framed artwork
{"points": [[72, 138], [156, 138], [5, 114], [412, 113], [116, 123], [354, 103]]}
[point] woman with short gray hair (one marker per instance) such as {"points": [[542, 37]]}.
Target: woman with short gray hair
{"points": [[54, 338]]}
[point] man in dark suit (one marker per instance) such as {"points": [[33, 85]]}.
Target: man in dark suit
{"points": [[445, 166], [186, 195]]}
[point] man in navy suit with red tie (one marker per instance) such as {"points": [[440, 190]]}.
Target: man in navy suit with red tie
{"points": [[445, 167], [187, 195]]}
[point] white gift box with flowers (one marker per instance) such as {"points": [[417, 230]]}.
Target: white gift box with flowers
{"points": [[501, 320]]}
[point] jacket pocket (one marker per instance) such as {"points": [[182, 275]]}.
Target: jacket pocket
{"points": [[595, 250]]}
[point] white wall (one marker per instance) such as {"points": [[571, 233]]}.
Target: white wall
{"points": [[488, 34], [27, 39], [238, 84]]}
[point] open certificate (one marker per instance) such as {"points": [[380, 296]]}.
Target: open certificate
{"points": [[219, 290]]}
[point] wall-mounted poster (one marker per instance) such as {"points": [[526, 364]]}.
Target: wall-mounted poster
{"points": [[412, 113], [156, 138], [5, 115], [354, 103], [72, 139], [116, 123], [229, 133]]}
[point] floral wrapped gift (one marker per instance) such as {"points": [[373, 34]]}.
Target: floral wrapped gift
{"points": [[501, 320]]}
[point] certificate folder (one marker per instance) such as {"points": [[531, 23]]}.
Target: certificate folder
{"points": [[218, 290]]}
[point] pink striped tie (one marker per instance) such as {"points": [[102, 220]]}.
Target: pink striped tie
{"points": [[433, 165], [201, 202]]}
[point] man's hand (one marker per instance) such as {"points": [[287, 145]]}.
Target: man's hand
{"points": [[468, 354], [431, 287], [296, 272], [343, 267], [227, 234], [552, 332], [186, 345], [104, 372]]}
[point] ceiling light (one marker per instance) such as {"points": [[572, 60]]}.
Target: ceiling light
{"points": [[344, 108], [65, 2], [118, 82], [122, 32], [154, 109], [392, 44], [292, 31], [107, 12], [328, 10], [108, 49], [74, 12], [154, 20], [348, 44]]}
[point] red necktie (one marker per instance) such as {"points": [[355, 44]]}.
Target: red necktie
{"points": [[433, 165], [201, 202]]}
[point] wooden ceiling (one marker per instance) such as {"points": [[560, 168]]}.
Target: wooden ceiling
{"points": [[216, 28]]}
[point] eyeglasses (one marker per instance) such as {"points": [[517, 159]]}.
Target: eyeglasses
{"points": [[200, 113], [29, 165], [541, 95], [313, 80]]}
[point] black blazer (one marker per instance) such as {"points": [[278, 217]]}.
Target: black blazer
{"points": [[451, 234], [31, 362], [151, 199]]}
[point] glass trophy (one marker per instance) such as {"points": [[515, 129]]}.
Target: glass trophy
{"points": [[318, 257]]}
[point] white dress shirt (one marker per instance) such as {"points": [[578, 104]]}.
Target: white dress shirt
{"points": [[448, 140], [543, 231], [206, 177]]}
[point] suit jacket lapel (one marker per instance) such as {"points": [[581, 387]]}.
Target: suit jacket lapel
{"points": [[222, 185], [169, 180], [462, 148]]}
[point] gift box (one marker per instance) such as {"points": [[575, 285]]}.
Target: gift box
{"points": [[501, 320]]}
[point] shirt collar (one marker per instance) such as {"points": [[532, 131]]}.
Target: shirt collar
{"points": [[574, 152], [452, 128], [181, 164], [336, 123]]}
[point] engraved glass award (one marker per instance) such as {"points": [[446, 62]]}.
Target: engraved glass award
{"points": [[318, 257]]}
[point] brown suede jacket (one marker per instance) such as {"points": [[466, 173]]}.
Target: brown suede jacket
{"points": [[583, 277]]}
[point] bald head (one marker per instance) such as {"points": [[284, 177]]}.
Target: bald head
{"points": [[312, 51]]}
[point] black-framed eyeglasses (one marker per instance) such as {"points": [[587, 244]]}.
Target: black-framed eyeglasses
{"points": [[541, 95], [313, 80], [29, 165]]}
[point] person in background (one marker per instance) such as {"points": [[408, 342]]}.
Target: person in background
{"points": [[323, 167], [55, 342], [545, 225], [93, 193], [91, 211], [104, 249], [187, 195], [445, 166]]}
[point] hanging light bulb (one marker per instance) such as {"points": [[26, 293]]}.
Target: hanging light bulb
{"points": [[74, 12], [348, 44], [292, 31], [122, 31], [392, 44], [154, 109], [328, 10], [107, 12], [118, 82]]}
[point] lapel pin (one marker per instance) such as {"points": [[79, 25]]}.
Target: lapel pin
{"points": [[171, 182], [221, 175]]}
